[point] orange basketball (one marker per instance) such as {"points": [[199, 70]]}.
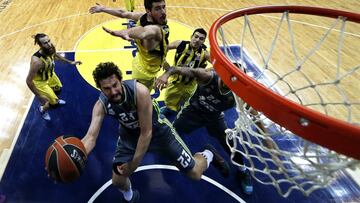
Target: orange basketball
{"points": [[65, 159]]}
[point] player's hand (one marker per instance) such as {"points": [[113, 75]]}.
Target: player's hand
{"points": [[97, 8], [162, 81], [48, 175], [76, 63], [124, 34], [127, 169]]}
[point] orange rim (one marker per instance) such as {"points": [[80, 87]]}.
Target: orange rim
{"points": [[318, 128]]}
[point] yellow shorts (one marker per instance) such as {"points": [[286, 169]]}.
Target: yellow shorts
{"points": [[142, 75], [46, 88], [177, 94]]}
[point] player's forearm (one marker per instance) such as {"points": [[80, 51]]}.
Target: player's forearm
{"points": [[58, 56], [185, 71], [89, 144], [121, 13], [32, 87], [142, 147], [142, 32]]}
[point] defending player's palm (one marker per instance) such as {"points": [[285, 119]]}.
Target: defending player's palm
{"points": [[96, 9], [124, 34]]}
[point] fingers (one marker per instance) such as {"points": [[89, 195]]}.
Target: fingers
{"points": [[107, 30]]}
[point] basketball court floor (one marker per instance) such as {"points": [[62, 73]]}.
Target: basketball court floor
{"points": [[24, 178]]}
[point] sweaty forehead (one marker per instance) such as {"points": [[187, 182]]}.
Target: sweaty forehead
{"points": [[198, 34], [44, 39], [158, 4]]}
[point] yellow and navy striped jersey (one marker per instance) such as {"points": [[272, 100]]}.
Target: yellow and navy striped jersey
{"points": [[47, 70]]}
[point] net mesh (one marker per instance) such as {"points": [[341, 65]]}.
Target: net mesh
{"points": [[274, 155]]}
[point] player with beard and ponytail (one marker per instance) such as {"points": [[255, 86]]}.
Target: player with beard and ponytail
{"points": [[42, 79], [150, 35]]}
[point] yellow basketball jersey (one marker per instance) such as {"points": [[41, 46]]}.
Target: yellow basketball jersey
{"points": [[187, 57], [150, 61], [47, 70]]}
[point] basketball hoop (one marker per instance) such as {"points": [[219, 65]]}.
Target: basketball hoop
{"points": [[286, 108]]}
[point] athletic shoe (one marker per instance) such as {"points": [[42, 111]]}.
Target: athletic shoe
{"points": [[246, 182], [61, 102], [218, 161], [44, 114], [135, 198]]}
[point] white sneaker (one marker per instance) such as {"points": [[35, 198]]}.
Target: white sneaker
{"points": [[61, 102], [44, 114]]}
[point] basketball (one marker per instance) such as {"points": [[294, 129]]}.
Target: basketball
{"points": [[65, 159]]}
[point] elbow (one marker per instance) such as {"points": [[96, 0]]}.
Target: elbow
{"points": [[29, 82]]}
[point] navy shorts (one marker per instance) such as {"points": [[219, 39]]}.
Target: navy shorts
{"points": [[165, 141]]}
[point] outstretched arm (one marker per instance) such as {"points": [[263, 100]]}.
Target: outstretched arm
{"points": [[118, 12], [89, 140], [59, 57], [201, 75], [147, 34]]}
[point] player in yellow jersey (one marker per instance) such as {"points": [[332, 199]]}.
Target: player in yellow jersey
{"points": [[42, 79], [150, 35], [190, 54]]}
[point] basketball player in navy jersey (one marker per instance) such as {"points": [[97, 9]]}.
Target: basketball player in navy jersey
{"points": [[206, 109], [42, 79], [150, 36], [141, 130]]}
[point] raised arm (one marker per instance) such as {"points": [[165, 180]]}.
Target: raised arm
{"points": [[89, 140], [118, 12], [148, 34]]}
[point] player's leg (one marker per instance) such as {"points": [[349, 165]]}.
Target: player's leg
{"points": [[48, 95], [176, 150], [188, 120], [216, 128], [55, 83], [124, 154]]}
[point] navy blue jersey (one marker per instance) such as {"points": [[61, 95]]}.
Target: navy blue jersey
{"points": [[208, 98], [126, 111]]}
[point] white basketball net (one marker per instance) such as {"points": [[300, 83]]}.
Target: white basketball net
{"points": [[278, 157]]}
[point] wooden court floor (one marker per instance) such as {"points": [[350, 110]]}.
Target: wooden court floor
{"points": [[66, 22]]}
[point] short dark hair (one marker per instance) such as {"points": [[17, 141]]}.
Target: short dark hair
{"points": [[200, 30], [37, 37], [148, 3], [105, 70]]}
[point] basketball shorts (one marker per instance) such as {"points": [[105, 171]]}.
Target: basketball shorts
{"points": [[177, 94], [143, 75], [46, 88], [164, 141], [190, 119]]}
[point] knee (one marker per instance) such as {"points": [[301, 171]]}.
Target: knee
{"points": [[119, 182]]}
